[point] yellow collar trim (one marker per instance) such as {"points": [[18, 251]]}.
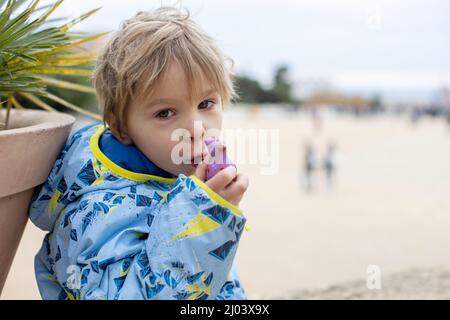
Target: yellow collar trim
{"points": [[124, 173], [216, 197]]}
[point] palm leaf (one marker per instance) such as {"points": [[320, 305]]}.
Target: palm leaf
{"points": [[17, 26], [20, 83], [63, 71], [50, 11], [16, 103], [69, 25], [32, 52], [71, 45], [73, 107], [67, 85], [38, 102]]}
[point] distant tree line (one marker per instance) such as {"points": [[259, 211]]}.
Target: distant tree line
{"points": [[251, 91]]}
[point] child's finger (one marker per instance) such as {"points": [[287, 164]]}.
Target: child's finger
{"points": [[237, 188], [200, 171], [222, 178]]}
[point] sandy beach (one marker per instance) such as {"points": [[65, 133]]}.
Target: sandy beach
{"points": [[389, 207]]}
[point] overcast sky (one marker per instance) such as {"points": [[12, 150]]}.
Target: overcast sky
{"points": [[383, 45]]}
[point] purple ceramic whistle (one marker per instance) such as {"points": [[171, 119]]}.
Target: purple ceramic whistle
{"points": [[220, 161]]}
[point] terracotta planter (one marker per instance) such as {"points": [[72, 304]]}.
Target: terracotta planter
{"points": [[28, 150]]}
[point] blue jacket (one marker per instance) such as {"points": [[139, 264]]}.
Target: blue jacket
{"points": [[119, 227]]}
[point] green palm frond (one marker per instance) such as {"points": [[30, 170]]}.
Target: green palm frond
{"points": [[67, 85], [38, 102], [33, 54]]}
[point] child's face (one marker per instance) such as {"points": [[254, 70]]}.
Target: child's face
{"points": [[151, 123]]}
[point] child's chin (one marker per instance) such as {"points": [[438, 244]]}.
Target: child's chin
{"points": [[186, 169], [190, 170]]}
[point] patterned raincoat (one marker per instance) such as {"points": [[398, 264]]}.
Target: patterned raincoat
{"points": [[119, 227]]}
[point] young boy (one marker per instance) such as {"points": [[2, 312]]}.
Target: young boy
{"points": [[125, 220]]}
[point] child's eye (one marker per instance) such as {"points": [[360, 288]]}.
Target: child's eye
{"points": [[164, 114], [207, 104]]}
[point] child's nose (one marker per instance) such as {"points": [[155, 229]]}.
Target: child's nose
{"points": [[197, 131]]}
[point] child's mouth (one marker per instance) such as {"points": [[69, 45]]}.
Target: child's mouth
{"points": [[197, 159]]}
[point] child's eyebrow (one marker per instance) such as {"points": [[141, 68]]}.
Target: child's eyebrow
{"points": [[173, 101], [159, 101]]}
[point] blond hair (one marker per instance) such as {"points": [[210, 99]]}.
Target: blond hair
{"points": [[139, 53]]}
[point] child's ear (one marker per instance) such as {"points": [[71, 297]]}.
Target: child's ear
{"points": [[112, 123]]}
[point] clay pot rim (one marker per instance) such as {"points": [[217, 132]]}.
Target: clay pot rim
{"points": [[38, 120]]}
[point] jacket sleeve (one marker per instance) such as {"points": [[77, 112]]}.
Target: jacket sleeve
{"points": [[198, 228], [183, 247]]}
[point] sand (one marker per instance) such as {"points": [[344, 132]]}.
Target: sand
{"points": [[415, 284], [390, 208]]}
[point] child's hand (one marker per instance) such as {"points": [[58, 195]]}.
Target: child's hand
{"points": [[229, 184]]}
